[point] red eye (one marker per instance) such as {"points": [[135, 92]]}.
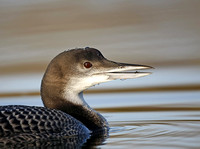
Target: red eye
{"points": [[87, 64]]}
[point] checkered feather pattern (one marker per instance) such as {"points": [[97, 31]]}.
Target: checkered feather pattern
{"points": [[30, 121]]}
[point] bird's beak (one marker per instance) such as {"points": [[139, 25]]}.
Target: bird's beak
{"points": [[115, 70], [106, 70]]}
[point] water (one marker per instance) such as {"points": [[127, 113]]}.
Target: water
{"points": [[155, 130], [143, 120], [156, 119]]}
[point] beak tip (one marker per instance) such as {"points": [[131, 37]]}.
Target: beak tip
{"points": [[148, 67], [151, 67]]}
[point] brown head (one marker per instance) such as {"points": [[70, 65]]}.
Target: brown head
{"points": [[72, 72]]}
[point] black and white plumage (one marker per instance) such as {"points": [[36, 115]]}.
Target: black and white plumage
{"points": [[30, 124], [17, 119], [65, 113]]}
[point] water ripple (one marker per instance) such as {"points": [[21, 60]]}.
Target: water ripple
{"points": [[157, 133]]}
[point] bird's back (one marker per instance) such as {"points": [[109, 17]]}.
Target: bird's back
{"points": [[25, 121]]}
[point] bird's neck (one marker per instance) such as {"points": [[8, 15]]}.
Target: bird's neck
{"points": [[73, 104]]}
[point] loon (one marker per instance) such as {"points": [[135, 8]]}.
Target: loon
{"points": [[65, 112]]}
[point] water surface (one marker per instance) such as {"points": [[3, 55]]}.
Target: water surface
{"points": [[143, 120]]}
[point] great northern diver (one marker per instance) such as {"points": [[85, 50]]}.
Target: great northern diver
{"points": [[66, 113]]}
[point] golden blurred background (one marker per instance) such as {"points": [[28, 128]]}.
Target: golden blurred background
{"points": [[153, 32], [160, 33], [164, 34]]}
